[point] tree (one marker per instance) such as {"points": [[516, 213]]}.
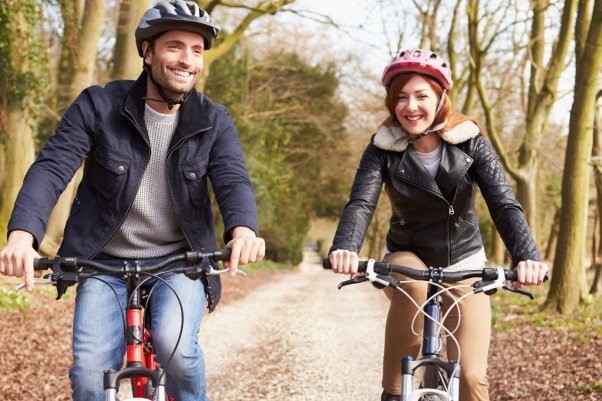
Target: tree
{"points": [[597, 163], [21, 87], [82, 25], [227, 42], [126, 63], [567, 281], [541, 95], [291, 126]]}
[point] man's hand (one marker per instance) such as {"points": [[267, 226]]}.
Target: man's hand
{"points": [[16, 258], [246, 248]]}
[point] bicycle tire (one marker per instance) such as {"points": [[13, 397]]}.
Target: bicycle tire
{"points": [[436, 379]]}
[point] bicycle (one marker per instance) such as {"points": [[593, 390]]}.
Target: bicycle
{"points": [[441, 378], [147, 377]]}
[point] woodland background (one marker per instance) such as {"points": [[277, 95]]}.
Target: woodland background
{"points": [[305, 109]]}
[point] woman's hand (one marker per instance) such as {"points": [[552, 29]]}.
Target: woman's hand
{"points": [[343, 261], [530, 272]]}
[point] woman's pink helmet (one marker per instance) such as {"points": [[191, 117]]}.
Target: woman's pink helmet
{"points": [[421, 61]]}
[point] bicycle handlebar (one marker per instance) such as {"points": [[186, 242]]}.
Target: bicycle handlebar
{"points": [[67, 271], [378, 272], [190, 259], [437, 274]]}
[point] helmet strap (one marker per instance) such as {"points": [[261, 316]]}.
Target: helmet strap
{"points": [[164, 99]]}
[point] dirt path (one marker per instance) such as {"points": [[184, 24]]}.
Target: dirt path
{"points": [[297, 338]]}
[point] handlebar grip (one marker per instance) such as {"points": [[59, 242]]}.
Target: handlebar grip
{"points": [[42, 263], [361, 266], [224, 254], [511, 275]]}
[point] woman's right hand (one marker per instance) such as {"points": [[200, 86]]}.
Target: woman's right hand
{"points": [[343, 261]]}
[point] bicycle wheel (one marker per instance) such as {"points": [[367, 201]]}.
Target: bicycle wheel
{"points": [[435, 378]]}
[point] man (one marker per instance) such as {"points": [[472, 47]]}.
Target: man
{"points": [[149, 147]]}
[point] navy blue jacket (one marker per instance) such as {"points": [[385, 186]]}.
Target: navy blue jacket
{"points": [[105, 128]]}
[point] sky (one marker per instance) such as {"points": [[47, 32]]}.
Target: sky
{"points": [[368, 40], [372, 33]]}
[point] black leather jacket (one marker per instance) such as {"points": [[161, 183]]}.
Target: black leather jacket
{"points": [[435, 217]]}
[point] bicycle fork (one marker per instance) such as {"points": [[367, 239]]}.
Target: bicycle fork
{"points": [[446, 389], [141, 366]]}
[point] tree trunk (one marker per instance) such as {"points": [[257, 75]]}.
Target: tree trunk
{"points": [[596, 286], [553, 236], [568, 277], [19, 156], [81, 59], [127, 62], [541, 97], [20, 86]]}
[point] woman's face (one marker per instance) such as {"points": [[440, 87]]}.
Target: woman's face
{"points": [[416, 105]]}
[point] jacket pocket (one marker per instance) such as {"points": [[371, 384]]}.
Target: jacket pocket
{"points": [[108, 171], [194, 176]]}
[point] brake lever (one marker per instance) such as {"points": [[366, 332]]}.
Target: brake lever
{"points": [[490, 287], [43, 281], [355, 280], [519, 291]]}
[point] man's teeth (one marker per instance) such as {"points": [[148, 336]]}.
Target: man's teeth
{"points": [[182, 73]]}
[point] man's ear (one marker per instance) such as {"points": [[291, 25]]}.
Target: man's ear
{"points": [[146, 52]]}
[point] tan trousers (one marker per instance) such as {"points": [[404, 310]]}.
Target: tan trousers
{"points": [[473, 335]]}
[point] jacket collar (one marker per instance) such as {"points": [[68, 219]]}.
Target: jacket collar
{"points": [[452, 168], [393, 138], [193, 115]]}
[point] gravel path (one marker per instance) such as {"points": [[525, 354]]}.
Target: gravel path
{"points": [[297, 338]]}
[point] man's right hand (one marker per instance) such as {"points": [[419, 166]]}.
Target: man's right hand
{"points": [[16, 258]]}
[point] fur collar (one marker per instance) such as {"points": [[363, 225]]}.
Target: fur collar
{"points": [[395, 139]]}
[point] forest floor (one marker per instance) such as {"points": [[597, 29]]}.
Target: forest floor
{"points": [[310, 338]]}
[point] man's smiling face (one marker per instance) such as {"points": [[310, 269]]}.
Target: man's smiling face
{"points": [[176, 62]]}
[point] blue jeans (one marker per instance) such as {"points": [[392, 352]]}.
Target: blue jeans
{"points": [[98, 335]]}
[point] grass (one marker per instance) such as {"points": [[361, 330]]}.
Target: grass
{"points": [[510, 309]]}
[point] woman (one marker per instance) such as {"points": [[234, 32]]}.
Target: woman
{"points": [[431, 160]]}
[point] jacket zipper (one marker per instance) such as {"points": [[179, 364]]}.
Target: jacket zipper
{"points": [[171, 192], [127, 115]]}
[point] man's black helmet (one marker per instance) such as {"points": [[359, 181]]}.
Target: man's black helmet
{"points": [[175, 15]]}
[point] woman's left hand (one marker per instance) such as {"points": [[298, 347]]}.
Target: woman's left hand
{"points": [[530, 272]]}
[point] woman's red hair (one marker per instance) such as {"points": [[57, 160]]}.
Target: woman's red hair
{"points": [[453, 118]]}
